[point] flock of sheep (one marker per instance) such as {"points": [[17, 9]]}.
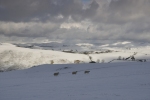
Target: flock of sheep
{"points": [[73, 73]]}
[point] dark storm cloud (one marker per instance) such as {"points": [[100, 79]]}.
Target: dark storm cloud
{"points": [[123, 11], [95, 19], [22, 10], [26, 10]]}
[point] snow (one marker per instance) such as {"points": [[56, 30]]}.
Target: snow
{"points": [[105, 45], [125, 42], [84, 44], [111, 81], [13, 57]]}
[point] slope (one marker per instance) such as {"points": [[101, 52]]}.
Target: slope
{"points": [[113, 81]]}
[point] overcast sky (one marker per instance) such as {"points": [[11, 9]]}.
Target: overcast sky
{"points": [[27, 20]]}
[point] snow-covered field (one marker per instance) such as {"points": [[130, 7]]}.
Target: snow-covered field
{"points": [[109, 78], [113, 81]]}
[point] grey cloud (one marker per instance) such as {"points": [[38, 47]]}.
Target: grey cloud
{"points": [[29, 29], [122, 11], [104, 19], [130, 10], [139, 28], [25, 10], [22, 10]]}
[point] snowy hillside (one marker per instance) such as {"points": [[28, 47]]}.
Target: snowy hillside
{"points": [[113, 81], [22, 56], [12, 57]]}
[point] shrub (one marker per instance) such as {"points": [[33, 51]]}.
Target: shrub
{"points": [[52, 62], [98, 61], [119, 58], [103, 60]]}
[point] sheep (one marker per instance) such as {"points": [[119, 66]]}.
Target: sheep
{"points": [[140, 60], [86, 72], [56, 74], [75, 72]]}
